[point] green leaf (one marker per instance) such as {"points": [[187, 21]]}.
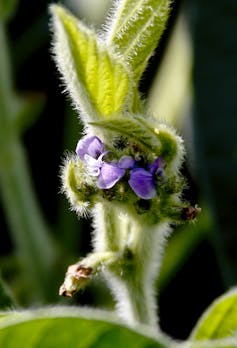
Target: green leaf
{"points": [[29, 109], [135, 29], [221, 343], [133, 128], [220, 319], [97, 80], [70, 327], [159, 138], [215, 122]]}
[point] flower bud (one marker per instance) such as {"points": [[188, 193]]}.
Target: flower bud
{"points": [[78, 186]]}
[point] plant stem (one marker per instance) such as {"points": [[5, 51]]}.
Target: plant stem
{"points": [[28, 228], [29, 231], [132, 281]]}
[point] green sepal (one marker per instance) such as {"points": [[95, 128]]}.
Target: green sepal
{"points": [[219, 320], [97, 80], [135, 30]]}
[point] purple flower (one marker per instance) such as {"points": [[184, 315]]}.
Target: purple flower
{"points": [[91, 146], [91, 151], [126, 162], [110, 173], [143, 181]]}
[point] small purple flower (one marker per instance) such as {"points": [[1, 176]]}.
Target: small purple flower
{"points": [[143, 182], [91, 146], [91, 151]]}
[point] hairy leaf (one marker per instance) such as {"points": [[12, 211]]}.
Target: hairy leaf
{"points": [[135, 29], [159, 138], [97, 80], [69, 327], [220, 319]]}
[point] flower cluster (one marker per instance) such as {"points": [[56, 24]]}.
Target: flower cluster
{"points": [[142, 180]]}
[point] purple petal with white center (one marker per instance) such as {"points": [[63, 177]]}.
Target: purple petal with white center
{"points": [[157, 166], [142, 183], [126, 162], [91, 146], [110, 174], [93, 165]]}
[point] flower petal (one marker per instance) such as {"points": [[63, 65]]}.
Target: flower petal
{"points": [[126, 162], [142, 183], [91, 146], [109, 174], [157, 166], [93, 165]]}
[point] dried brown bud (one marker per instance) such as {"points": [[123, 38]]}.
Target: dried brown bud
{"points": [[190, 213], [76, 277]]}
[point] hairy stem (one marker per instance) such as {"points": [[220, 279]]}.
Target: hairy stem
{"points": [[132, 279]]}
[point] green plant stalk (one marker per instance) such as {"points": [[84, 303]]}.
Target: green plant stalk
{"points": [[132, 279], [28, 229]]}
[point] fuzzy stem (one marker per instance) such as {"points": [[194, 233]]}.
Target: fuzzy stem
{"points": [[132, 279], [106, 224]]}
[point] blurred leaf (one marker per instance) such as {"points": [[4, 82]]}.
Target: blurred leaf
{"points": [[70, 327], [6, 300], [93, 11], [215, 122], [219, 320], [171, 91], [136, 28], [96, 79], [29, 109], [7, 8]]}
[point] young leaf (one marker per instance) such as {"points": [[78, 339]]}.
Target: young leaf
{"points": [[132, 128], [135, 29], [70, 327], [220, 319], [96, 79], [162, 140]]}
